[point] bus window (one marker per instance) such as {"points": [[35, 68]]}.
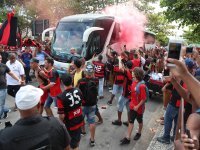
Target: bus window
{"points": [[93, 45]]}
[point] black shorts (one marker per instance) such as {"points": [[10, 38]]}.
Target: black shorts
{"points": [[134, 115], [75, 138]]}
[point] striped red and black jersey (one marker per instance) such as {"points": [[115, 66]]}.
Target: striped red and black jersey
{"points": [[127, 84], [54, 77], [69, 103], [175, 96], [99, 69], [119, 76]]}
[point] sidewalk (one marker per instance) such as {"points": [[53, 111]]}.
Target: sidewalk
{"points": [[155, 145]]}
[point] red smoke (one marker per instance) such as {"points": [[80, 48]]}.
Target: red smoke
{"points": [[132, 25]]}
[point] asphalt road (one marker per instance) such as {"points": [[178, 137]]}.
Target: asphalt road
{"points": [[107, 135]]}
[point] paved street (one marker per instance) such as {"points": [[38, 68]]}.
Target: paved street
{"points": [[107, 135]]}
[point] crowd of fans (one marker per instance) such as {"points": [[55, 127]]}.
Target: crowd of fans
{"points": [[126, 73]]}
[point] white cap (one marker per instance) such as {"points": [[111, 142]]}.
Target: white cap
{"points": [[28, 97]]}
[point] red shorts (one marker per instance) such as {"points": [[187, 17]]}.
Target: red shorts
{"points": [[44, 96]]}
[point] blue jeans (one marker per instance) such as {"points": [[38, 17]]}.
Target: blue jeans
{"points": [[171, 116], [117, 89], [122, 102], [101, 83], [49, 101], [3, 109], [89, 112]]}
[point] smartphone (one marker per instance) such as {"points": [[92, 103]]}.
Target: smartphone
{"points": [[174, 52], [188, 133], [189, 50], [166, 73]]}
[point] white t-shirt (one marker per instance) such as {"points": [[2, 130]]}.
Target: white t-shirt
{"points": [[17, 69]]}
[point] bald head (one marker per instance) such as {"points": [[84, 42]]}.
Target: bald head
{"points": [[12, 57]]}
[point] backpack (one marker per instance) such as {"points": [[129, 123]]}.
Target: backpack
{"points": [[138, 90], [91, 93]]}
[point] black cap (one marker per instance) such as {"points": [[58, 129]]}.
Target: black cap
{"points": [[34, 60]]}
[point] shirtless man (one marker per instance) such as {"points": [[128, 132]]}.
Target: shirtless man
{"points": [[42, 79]]}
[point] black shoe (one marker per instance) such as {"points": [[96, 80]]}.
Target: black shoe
{"points": [[83, 133], [109, 103], [5, 115], [117, 123], [101, 97], [126, 123], [137, 136], [172, 138], [163, 140], [92, 143], [124, 141]]}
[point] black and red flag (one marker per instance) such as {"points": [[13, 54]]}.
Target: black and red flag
{"points": [[8, 31]]}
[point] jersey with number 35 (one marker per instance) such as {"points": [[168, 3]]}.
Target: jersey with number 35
{"points": [[69, 103]]}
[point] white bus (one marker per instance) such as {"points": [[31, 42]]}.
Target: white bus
{"points": [[89, 34]]}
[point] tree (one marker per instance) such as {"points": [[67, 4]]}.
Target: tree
{"points": [[190, 36], [156, 22], [187, 12]]}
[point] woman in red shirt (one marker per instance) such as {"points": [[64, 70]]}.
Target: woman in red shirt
{"points": [[137, 104]]}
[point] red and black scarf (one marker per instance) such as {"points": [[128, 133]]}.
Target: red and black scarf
{"points": [[8, 31]]}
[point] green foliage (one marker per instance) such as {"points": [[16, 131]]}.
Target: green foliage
{"points": [[97, 5], [191, 36], [186, 12], [157, 22]]}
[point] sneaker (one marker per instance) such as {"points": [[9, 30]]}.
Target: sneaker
{"points": [[99, 122], [126, 123], [117, 123], [109, 103], [124, 141], [101, 97], [5, 115], [83, 133], [137, 136], [162, 122], [92, 143], [163, 140], [172, 138]]}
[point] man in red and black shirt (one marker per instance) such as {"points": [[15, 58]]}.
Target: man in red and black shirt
{"points": [[53, 86], [99, 68], [124, 99], [42, 79], [171, 114], [137, 104], [136, 61], [118, 81], [70, 111]]}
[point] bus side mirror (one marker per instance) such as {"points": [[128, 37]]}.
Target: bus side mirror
{"points": [[47, 30], [87, 33]]}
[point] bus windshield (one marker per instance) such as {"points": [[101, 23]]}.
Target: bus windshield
{"points": [[69, 35]]}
